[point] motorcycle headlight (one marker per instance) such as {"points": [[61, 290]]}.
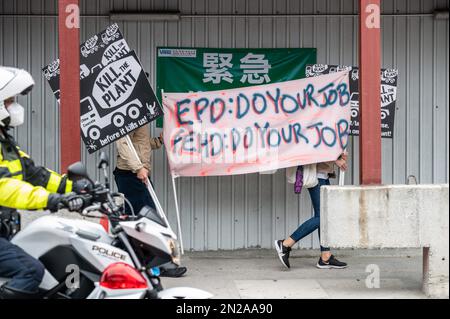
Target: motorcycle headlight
{"points": [[175, 252]]}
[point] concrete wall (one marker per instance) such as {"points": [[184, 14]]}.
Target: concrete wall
{"points": [[395, 216], [251, 211]]}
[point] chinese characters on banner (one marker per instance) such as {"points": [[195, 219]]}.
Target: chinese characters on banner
{"points": [[217, 67], [258, 128], [210, 69], [255, 68]]}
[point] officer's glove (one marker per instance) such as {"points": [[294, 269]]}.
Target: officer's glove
{"points": [[70, 201], [82, 186]]}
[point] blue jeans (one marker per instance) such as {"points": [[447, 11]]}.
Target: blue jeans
{"points": [[134, 190], [314, 223], [26, 272]]}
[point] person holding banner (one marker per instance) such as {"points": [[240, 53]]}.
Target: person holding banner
{"points": [[132, 175], [325, 170]]}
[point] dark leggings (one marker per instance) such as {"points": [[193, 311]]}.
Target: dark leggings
{"points": [[134, 190]]}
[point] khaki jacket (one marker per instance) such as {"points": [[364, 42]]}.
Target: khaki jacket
{"points": [[327, 168], [144, 145]]}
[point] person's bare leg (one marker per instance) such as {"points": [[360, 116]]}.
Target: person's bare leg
{"points": [[325, 255], [289, 242]]}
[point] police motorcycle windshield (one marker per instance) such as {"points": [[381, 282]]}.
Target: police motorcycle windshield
{"points": [[151, 214]]}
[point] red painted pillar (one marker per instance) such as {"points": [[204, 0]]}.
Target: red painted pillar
{"points": [[69, 55], [369, 86]]}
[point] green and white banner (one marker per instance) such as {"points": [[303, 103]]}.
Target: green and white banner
{"points": [[181, 70]]}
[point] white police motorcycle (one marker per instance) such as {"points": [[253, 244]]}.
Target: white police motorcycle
{"points": [[88, 260]]}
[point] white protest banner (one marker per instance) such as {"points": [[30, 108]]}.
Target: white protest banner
{"points": [[257, 128]]}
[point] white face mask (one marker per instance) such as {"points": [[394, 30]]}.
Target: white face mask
{"points": [[4, 114], [17, 114]]}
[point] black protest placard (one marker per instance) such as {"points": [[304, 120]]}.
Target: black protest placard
{"points": [[115, 101], [389, 79], [95, 53]]}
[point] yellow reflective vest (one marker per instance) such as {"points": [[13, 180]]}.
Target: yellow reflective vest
{"points": [[23, 185]]}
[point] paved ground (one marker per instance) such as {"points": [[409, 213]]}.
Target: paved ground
{"points": [[258, 274]]}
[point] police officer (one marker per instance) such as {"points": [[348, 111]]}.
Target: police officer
{"points": [[23, 185]]}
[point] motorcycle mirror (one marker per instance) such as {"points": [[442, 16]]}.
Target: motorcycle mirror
{"points": [[104, 160], [77, 171]]}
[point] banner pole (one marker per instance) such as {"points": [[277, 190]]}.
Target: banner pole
{"points": [[342, 175], [162, 97], [175, 196], [149, 185]]}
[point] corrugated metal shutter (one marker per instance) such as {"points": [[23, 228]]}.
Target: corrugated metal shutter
{"points": [[252, 210]]}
